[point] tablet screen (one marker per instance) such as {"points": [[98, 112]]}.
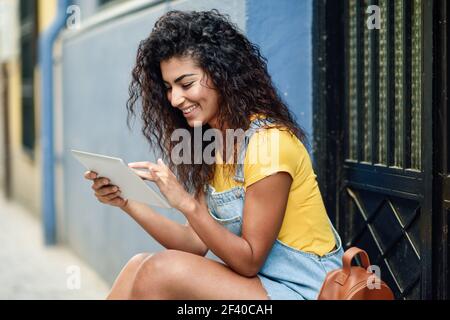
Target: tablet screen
{"points": [[115, 169]]}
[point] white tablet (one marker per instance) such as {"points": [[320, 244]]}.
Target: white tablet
{"points": [[115, 169]]}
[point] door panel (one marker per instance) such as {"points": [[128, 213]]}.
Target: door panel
{"points": [[381, 136], [383, 150], [383, 207]]}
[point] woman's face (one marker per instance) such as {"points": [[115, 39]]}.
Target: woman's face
{"points": [[187, 91]]}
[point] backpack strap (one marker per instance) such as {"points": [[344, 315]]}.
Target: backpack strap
{"points": [[347, 259]]}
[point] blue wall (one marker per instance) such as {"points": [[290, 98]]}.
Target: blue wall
{"points": [[282, 29]]}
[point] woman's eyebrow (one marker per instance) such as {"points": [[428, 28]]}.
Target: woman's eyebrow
{"points": [[182, 77]]}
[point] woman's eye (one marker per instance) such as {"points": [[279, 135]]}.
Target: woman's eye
{"points": [[187, 85]]}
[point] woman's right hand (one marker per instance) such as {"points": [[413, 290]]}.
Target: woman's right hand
{"points": [[104, 191]]}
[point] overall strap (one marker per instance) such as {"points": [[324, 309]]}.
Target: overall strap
{"points": [[254, 126]]}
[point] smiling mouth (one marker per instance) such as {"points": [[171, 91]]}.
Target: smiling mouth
{"points": [[189, 110]]}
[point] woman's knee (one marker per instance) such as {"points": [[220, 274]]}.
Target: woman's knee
{"points": [[140, 257], [137, 260], [167, 263], [157, 271]]}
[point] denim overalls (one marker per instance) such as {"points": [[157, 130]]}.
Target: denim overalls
{"points": [[288, 273]]}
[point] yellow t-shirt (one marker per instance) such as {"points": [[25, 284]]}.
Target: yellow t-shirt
{"points": [[305, 225]]}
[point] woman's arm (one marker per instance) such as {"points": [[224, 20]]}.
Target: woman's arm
{"points": [[264, 208], [170, 234]]}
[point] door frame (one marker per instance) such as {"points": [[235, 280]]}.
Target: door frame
{"points": [[328, 140], [442, 160]]}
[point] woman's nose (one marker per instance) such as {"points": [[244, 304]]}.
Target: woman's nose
{"points": [[177, 98]]}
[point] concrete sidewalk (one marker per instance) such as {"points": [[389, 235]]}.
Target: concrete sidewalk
{"points": [[29, 270]]}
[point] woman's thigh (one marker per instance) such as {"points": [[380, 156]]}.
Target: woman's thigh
{"points": [[174, 274]]}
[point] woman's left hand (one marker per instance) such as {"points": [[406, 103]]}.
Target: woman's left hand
{"points": [[167, 183]]}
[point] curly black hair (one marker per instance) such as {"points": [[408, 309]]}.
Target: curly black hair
{"points": [[236, 68]]}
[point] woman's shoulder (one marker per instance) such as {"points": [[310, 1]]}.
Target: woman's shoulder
{"points": [[277, 149], [278, 136], [271, 133]]}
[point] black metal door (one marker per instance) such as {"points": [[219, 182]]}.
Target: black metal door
{"points": [[375, 139]]}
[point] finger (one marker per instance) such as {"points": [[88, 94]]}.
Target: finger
{"points": [[161, 162], [112, 196], [157, 175], [105, 191], [100, 199], [144, 174], [100, 182], [163, 166], [90, 175], [105, 199]]}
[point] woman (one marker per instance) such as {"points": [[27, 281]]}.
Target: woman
{"points": [[265, 221]]}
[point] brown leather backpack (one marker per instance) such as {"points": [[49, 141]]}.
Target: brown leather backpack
{"points": [[353, 282]]}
